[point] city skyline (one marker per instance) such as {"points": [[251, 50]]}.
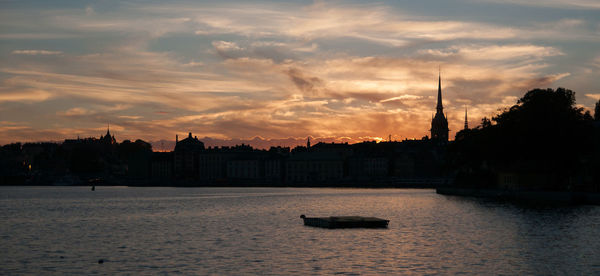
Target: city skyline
{"points": [[277, 73]]}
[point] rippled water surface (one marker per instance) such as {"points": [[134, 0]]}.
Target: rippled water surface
{"points": [[45, 230]]}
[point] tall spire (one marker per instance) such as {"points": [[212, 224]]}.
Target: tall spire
{"points": [[439, 107], [439, 123], [466, 120]]}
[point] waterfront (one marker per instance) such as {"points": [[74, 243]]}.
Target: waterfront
{"points": [[258, 231]]}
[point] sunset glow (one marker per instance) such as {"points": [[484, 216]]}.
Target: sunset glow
{"points": [[274, 73]]}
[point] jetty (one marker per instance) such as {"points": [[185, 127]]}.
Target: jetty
{"points": [[345, 222]]}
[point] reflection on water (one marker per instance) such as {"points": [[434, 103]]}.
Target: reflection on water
{"points": [[258, 230]]}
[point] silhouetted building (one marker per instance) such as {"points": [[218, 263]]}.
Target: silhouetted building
{"points": [[368, 166], [274, 164], [13, 166], [187, 153], [247, 164], [274, 169], [324, 163], [439, 124], [161, 166], [342, 149], [244, 169], [93, 157], [403, 165], [136, 157], [43, 158], [87, 160], [108, 139], [212, 164]]}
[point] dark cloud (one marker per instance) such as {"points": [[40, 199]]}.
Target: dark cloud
{"points": [[304, 83], [479, 91], [540, 82]]}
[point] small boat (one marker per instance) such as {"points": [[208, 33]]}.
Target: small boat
{"points": [[346, 222]]}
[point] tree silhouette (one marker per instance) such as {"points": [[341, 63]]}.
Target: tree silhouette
{"points": [[543, 133], [485, 122], [597, 111]]}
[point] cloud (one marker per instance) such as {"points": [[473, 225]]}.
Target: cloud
{"points": [[35, 52], [568, 23], [542, 81], [593, 96], [494, 52], [403, 97], [596, 62], [565, 4], [312, 48], [36, 36], [193, 64], [23, 132], [23, 95], [89, 10], [75, 112], [374, 23], [304, 83], [277, 52], [130, 117], [227, 49]]}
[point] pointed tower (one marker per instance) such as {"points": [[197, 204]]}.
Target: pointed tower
{"points": [[439, 108], [439, 124], [308, 142], [108, 139], [466, 120]]}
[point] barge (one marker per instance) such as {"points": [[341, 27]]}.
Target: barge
{"points": [[345, 222]]}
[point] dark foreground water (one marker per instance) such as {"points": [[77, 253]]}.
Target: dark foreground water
{"points": [[221, 231]]}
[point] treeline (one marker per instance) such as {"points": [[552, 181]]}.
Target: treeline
{"points": [[543, 142]]}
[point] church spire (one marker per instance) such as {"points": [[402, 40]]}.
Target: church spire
{"points": [[108, 139], [439, 123], [440, 107], [466, 120]]}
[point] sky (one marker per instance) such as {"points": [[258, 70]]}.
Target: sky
{"points": [[276, 72]]}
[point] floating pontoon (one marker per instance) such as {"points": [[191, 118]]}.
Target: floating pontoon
{"points": [[346, 222]]}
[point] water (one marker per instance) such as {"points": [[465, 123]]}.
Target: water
{"points": [[223, 231]]}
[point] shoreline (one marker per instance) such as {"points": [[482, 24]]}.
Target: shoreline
{"points": [[533, 196], [212, 185]]}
